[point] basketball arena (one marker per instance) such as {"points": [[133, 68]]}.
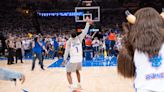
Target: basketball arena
{"points": [[81, 46]]}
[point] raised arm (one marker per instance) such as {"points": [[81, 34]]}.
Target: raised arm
{"points": [[84, 32], [86, 29]]}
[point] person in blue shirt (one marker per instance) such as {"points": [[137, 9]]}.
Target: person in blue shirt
{"points": [[56, 47], [37, 52], [43, 51], [107, 44]]}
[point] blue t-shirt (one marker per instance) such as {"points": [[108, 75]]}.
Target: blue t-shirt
{"points": [[56, 45], [37, 48]]}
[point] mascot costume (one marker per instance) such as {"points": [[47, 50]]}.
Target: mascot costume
{"points": [[142, 54]]}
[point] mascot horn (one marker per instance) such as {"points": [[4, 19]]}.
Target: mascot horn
{"points": [[162, 14], [132, 19], [142, 53]]}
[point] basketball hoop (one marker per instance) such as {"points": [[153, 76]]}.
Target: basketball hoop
{"points": [[87, 3]]}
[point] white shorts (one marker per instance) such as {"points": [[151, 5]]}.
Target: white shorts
{"points": [[73, 67]]}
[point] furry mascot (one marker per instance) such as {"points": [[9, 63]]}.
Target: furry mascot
{"points": [[142, 54]]}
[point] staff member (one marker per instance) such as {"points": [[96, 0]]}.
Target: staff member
{"points": [[37, 52], [18, 45], [10, 48]]}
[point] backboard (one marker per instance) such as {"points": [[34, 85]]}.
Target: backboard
{"points": [[91, 12]]}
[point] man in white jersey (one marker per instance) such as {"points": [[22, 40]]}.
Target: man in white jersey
{"points": [[74, 49]]}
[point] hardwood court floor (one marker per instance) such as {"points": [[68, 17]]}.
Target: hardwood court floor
{"points": [[94, 79]]}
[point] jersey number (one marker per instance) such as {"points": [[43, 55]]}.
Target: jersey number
{"points": [[76, 49]]}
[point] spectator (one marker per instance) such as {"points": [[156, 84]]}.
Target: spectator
{"points": [[95, 45], [56, 47], [27, 47], [112, 38], [88, 43]]}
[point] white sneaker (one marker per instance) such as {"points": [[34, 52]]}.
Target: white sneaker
{"points": [[72, 86], [78, 86]]}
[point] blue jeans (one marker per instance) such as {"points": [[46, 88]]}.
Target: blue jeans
{"points": [[35, 56]]}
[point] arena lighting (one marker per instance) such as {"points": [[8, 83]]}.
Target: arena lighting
{"points": [[94, 30], [87, 2], [26, 11], [60, 14]]}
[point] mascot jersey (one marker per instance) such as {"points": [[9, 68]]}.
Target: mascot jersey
{"points": [[149, 71]]}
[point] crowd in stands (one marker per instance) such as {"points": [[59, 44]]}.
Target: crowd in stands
{"points": [[97, 44], [55, 32]]}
